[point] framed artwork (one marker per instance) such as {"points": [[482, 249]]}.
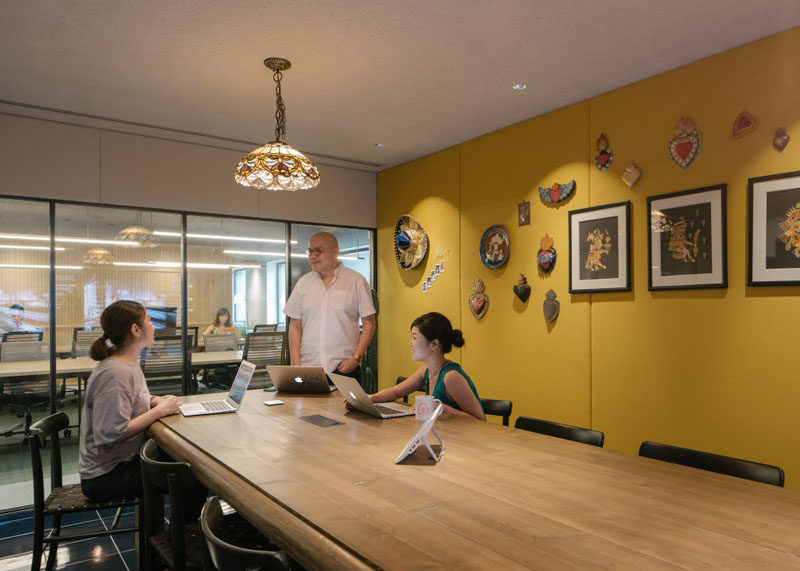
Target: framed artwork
{"points": [[773, 212], [687, 240], [600, 248], [524, 213]]}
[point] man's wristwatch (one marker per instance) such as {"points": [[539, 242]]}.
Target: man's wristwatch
{"points": [[358, 357]]}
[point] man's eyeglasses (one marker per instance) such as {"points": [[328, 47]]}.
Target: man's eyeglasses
{"points": [[315, 251]]}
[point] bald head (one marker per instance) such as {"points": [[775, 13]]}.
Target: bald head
{"points": [[324, 240], [323, 254]]}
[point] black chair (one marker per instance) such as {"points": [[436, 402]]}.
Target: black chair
{"points": [[265, 328], [162, 365], [498, 408], [25, 393], [64, 499], [12, 336], [746, 469], [82, 339], [264, 349], [181, 545], [227, 536], [566, 431]]}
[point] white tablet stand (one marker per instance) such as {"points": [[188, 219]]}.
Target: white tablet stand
{"points": [[421, 437]]}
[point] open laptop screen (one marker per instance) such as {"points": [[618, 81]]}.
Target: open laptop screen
{"points": [[240, 383]]}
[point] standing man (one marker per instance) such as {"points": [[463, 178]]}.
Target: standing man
{"points": [[325, 307]]}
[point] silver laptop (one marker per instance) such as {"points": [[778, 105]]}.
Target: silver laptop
{"points": [[220, 342], [359, 399], [288, 379], [231, 402]]}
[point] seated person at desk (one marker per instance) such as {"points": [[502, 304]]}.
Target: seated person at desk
{"points": [[118, 407], [17, 321], [432, 336], [222, 324]]}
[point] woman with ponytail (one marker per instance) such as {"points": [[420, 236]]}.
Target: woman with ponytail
{"points": [[432, 337], [118, 408]]}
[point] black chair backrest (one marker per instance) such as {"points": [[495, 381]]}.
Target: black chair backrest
{"points": [[262, 349], [498, 408], [559, 430], [22, 351], [746, 469], [397, 382], [12, 336], [165, 357], [38, 434], [220, 342], [160, 477], [224, 555], [265, 327], [169, 332], [82, 339]]}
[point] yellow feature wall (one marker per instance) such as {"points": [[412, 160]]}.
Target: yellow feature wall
{"points": [[709, 369]]}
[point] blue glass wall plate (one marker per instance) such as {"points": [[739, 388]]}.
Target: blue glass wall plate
{"points": [[494, 247]]}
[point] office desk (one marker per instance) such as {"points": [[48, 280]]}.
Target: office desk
{"points": [[499, 498], [82, 366]]}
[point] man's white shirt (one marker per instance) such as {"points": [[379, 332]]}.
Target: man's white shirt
{"points": [[330, 315]]}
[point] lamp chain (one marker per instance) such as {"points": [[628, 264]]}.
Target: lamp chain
{"points": [[280, 110]]}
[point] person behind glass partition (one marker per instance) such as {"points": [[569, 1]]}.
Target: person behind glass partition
{"points": [[432, 337], [118, 407], [325, 307], [222, 323]]}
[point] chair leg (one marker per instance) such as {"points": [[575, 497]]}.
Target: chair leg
{"points": [[141, 537], [53, 552], [38, 541], [115, 522]]}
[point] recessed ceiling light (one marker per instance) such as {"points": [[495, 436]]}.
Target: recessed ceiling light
{"points": [[380, 145], [519, 87]]}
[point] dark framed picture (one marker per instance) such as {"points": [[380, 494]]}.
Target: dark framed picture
{"points": [[773, 212], [687, 241], [600, 248]]}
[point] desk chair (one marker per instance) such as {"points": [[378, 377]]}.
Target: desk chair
{"points": [[566, 431], [498, 408], [169, 332], [64, 499], [264, 349], [219, 377], [25, 393], [82, 339], [179, 547], [13, 336], [162, 365], [233, 543], [397, 382], [265, 328], [736, 467]]}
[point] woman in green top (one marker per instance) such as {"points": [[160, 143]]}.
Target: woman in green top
{"points": [[432, 337]]}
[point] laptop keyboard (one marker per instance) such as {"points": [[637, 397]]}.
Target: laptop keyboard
{"points": [[387, 410], [215, 405]]}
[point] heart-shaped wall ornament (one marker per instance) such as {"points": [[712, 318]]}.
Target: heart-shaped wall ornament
{"points": [[743, 124], [631, 175], [780, 140], [557, 192], [478, 301], [546, 256], [685, 145], [604, 156], [522, 290]]}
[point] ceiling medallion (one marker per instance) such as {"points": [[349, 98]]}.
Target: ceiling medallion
{"points": [[277, 165]]}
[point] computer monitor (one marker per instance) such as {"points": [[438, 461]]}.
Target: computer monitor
{"points": [[163, 317]]}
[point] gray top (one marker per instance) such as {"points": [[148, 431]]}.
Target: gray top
{"points": [[116, 392]]}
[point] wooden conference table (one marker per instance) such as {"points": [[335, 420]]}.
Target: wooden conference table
{"points": [[499, 498], [82, 366]]}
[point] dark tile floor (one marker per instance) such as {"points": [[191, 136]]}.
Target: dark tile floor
{"points": [[106, 553]]}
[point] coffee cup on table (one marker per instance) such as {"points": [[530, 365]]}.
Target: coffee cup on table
{"points": [[424, 405]]}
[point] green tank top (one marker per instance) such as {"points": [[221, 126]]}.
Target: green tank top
{"points": [[439, 391]]}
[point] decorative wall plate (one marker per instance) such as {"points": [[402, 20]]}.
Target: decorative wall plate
{"points": [[410, 242], [631, 175], [780, 140], [685, 145], [546, 256], [550, 306], [604, 156], [478, 301], [743, 124], [557, 192], [522, 290], [494, 247]]}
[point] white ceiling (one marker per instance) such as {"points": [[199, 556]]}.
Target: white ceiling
{"points": [[416, 75]]}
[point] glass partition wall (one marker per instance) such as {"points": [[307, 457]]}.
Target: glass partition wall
{"points": [[102, 254]]}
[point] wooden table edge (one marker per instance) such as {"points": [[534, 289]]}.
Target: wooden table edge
{"points": [[301, 540]]}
